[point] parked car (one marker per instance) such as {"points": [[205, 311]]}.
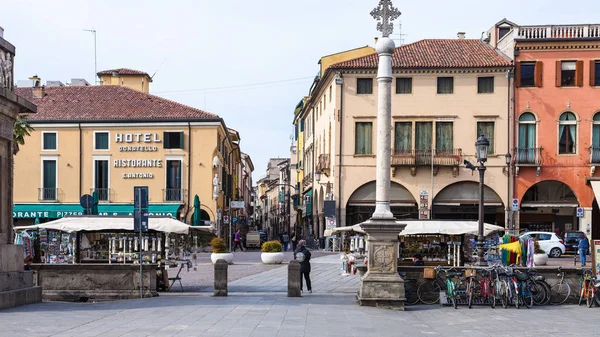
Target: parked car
{"points": [[571, 239], [549, 242]]}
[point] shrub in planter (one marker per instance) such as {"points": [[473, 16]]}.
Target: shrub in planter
{"points": [[540, 257], [272, 252], [219, 250]]}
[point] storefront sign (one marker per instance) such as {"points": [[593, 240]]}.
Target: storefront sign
{"points": [[137, 138], [62, 214]]}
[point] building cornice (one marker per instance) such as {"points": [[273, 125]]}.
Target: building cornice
{"points": [[552, 45]]}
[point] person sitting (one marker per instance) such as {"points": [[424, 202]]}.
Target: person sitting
{"points": [[418, 260]]}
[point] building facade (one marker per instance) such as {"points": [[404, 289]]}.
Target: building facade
{"points": [[440, 104], [109, 138], [557, 124]]}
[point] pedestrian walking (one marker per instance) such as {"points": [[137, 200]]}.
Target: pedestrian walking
{"points": [[294, 241], [286, 241], [237, 241], [302, 255], [583, 247]]}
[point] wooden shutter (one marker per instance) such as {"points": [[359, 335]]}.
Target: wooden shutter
{"points": [[579, 73], [539, 67], [181, 140], [558, 73], [166, 144], [593, 73], [518, 74]]}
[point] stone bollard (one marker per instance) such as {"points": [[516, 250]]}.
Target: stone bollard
{"points": [[220, 278], [294, 279]]}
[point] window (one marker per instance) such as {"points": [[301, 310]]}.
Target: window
{"points": [[100, 140], [526, 71], [49, 142], [173, 191], [543, 237], [423, 135], [364, 86], [487, 129], [526, 152], [485, 85], [595, 151], [445, 85], [48, 190], [444, 137], [502, 31], [173, 140], [330, 92], [567, 133], [363, 138], [404, 85], [403, 137], [325, 102], [101, 179], [302, 125], [594, 73], [567, 73]]}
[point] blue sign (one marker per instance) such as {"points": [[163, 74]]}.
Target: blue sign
{"points": [[234, 220], [515, 205], [579, 212], [86, 201]]}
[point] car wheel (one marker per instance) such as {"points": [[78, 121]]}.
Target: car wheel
{"points": [[555, 252]]}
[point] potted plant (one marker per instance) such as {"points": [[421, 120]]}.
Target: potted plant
{"points": [[540, 258], [219, 251], [272, 252]]}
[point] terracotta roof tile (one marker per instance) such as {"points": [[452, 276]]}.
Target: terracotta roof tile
{"points": [[436, 53], [104, 103], [123, 71]]}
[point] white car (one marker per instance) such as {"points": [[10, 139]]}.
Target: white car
{"points": [[549, 242]]}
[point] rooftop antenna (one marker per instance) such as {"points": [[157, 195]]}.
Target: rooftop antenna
{"points": [[93, 31], [400, 35], [161, 64]]}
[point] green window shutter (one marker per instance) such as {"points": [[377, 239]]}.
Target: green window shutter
{"points": [[181, 140], [166, 140]]}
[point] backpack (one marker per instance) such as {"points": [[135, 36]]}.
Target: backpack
{"points": [[286, 238], [300, 257]]}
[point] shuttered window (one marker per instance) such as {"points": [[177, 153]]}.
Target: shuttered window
{"points": [[364, 86], [404, 85], [445, 85], [173, 140], [485, 85]]}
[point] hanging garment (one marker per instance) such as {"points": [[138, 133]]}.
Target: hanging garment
{"points": [[514, 247], [530, 252]]}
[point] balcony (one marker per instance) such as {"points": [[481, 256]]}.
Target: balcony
{"points": [[323, 164], [173, 195], [308, 180], [103, 194], [48, 194], [594, 159], [528, 157], [446, 158], [557, 32]]}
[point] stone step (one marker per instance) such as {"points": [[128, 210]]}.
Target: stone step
{"points": [[13, 298], [15, 280]]}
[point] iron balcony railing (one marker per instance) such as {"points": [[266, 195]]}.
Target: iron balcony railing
{"points": [[528, 156], [103, 193], [308, 179], [173, 194], [402, 157], [48, 194], [594, 155]]}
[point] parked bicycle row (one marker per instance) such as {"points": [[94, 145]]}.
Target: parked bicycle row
{"points": [[503, 285]]}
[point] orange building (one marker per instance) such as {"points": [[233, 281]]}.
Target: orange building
{"points": [[556, 123]]}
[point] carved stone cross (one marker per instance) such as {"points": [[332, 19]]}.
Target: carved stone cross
{"points": [[385, 13]]}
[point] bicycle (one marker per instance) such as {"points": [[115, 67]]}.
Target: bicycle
{"points": [[501, 287], [588, 289], [540, 290], [429, 291], [560, 292], [525, 287]]}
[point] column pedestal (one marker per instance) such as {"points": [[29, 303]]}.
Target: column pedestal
{"points": [[381, 286]]}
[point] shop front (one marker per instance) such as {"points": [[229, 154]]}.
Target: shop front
{"points": [[549, 206], [460, 201]]}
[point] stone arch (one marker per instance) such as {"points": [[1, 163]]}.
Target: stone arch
{"points": [[361, 204], [466, 193], [550, 192]]}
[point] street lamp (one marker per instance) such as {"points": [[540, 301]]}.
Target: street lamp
{"points": [[317, 176], [481, 149]]}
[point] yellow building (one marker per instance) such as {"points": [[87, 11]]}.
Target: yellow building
{"points": [[110, 138], [130, 78]]}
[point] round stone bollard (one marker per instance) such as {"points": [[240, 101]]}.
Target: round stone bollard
{"points": [[294, 279], [220, 278]]}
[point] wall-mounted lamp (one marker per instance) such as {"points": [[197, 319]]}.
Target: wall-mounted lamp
{"points": [[339, 79], [69, 165]]}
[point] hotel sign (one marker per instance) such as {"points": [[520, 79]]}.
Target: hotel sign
{"points": [[137, 138]]}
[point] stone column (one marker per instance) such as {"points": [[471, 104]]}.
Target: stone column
{"points": [[381, 286]]}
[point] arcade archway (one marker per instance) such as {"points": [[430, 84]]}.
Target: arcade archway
{"points": [[361, 203], [460, 201], [549, 206]]}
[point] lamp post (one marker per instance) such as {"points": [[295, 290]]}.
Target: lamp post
{"points": [[481, 147], [509, 223]]}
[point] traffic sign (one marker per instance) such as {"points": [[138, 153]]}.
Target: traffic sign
{"points": [[86, 201], [237, 204], [140, 220], [579, 212], [226, 219], [515, 204], [330, 223], [234, 220]]}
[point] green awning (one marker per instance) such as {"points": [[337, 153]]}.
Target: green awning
{"points": [[308, 204], [56, 211]]}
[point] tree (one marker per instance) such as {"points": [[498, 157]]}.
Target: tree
{"points": [[21, 130]]}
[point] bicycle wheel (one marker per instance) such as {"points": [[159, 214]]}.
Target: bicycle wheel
{"points": [[516, 299], [547, 289], [582, 292], [410, 292], [429, 292], [589, 299], [560, 292], [502, 292], [491, 294], [539, 293], [470, 291], [526, 294]]}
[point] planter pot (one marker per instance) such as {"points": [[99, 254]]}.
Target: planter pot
{"points": [[540, 259], [225, 256], [272, 258]]}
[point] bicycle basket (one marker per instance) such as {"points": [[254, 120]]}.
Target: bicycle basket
{"points": [[470, 272], [428, 273]]}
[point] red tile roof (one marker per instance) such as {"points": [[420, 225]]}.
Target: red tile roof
{"points": [[123, 71], [436, 53], [106, 103]]}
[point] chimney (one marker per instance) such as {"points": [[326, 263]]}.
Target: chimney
{"points": [[461, 35], [376, 39], [1, 32]]}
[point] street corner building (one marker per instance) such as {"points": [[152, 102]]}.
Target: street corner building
{"points": [[111, 137]]}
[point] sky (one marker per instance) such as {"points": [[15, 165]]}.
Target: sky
{"points": [[249, 61]]}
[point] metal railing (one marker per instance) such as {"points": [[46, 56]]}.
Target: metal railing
{"points": [[402, 157], [558, 32], [528, 156], [48, 194], [173, 194], [307, 180], [103, 193], [594, 155]]}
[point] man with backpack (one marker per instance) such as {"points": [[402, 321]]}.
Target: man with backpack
{"points": [[302, 255]]}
